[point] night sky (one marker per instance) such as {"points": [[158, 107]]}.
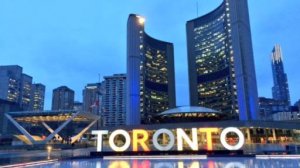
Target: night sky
{"points": [[71, 42]]}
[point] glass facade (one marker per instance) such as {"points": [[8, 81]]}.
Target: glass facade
{"points": [[213, 51], [280, 89], [221, 65], [63, 98], [26, 82], [154, 95], [16, 86], [13, 91], [150, 69], [37, 97]]}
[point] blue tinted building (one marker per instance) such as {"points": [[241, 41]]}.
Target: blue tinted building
{"points": [[280, 90], [220, 61], [150, 74]]}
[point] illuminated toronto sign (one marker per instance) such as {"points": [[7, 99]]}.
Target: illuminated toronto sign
{"points": [[138, 139]]}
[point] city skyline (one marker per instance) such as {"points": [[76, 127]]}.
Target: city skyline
{"points": [[89, 59]]}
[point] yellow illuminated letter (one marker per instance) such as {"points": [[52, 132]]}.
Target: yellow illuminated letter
{"points": [[139, 136], [119, 164], [208, 132]]}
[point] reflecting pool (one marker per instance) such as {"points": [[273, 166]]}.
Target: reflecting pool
{"points": [[178, 162]]}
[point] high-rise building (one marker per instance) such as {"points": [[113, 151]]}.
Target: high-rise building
{"points": [[280, 89], [92, 97], [10, 85], [63, 98], [150, 74], [25, 98], [268, 107], [15, 86], [114, 100], [78, 106], [220, 61], [37, 97]]}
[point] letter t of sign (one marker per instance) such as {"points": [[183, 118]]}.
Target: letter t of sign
{"points": [[208, 132], [99, 134]]}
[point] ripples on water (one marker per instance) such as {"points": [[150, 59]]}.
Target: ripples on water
{"points": [[160, 163]]}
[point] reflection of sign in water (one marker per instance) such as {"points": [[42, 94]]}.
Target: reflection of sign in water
{"points": [[140, 139], [168, 164]]}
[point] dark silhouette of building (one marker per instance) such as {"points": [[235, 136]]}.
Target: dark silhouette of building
{"points": [[37, 97], [277, 110], [92, 97], [220, 61], [6, 106], [15, 86], [78, 106], [63, 98], [150, 74], [280, 89], [268, 107]]}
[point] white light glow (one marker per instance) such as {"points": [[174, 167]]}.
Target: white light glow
{"points": [[171, 140], [193, 143], [141, 20], [240, 135], [99, 134], [154, 157], [126, 144]]}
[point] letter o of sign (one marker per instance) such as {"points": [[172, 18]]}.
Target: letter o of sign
{"points": [[155, 139], [235, 165], [239, 134], [112, 143]]}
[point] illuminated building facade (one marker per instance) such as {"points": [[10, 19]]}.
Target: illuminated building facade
{"points": [[188, 114], [63, 98], [220, 61], [37, 97], [280, 89], [10, 85], [15, 86], [25, 99], [150, 70], [113, 110]]}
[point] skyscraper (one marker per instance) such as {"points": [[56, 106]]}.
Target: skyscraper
{"points": [[37, 97], [25, 98], [220, 61], [150, 73], [114, 100], [15, 86], [10, 85], [92, 97], [78, 106], [280, 89], [63, 98]]}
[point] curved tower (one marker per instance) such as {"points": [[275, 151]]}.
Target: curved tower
{"points": [[150, 74], [220, 61]]}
